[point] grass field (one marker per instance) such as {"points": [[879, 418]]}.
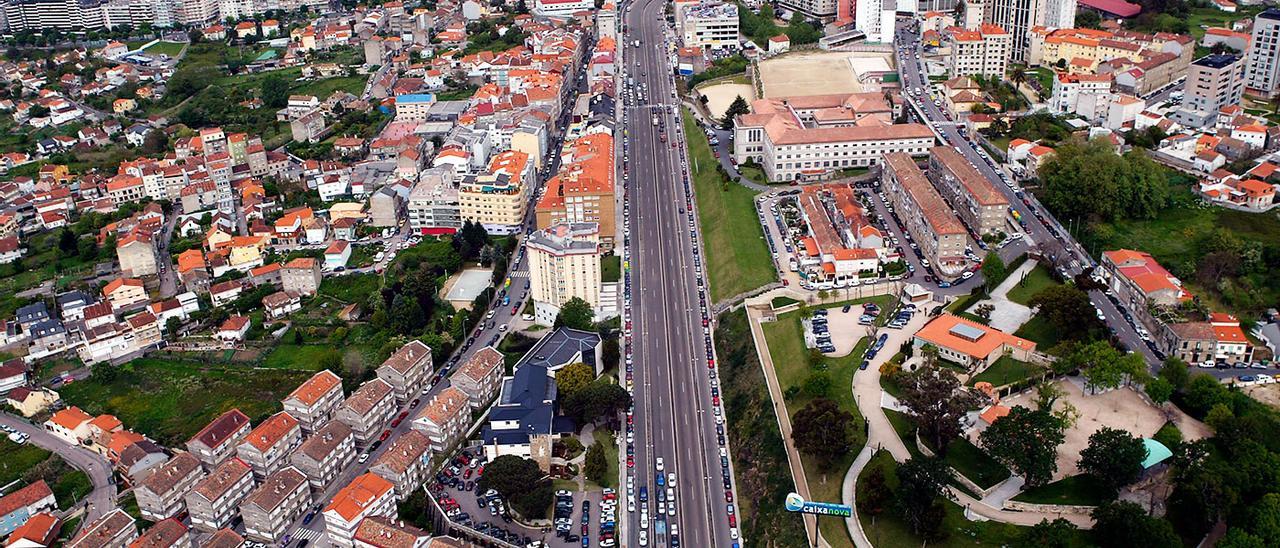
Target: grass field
{"points": [[352, 288], [1038, 330], [888, 530], [1006, 370], [170, 400], [737, 256], [1214, 17], [29, 464], [1081, 490], [790, 360], [976, 465], [297, 357], [1035, 281], [610, 268], [172, 49], [325, 87]]}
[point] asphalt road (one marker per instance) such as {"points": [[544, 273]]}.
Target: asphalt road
{"points": [[1061, 247], [674, 418], [103, 497]]}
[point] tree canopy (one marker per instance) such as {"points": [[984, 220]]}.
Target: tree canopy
{"points": [[575, 314], [1126, 525], [1114, 457], [1027, 442], [821, 429], [1089, 181], [572, 378], [936, 399], [922, 482], [524, 486]]}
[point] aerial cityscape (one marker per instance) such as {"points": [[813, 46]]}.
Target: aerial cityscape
{"points": [[603, 273]]}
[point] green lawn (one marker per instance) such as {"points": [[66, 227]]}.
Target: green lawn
{"points": [[1034, 282], [296, 357], [738, 258], [27, 464], [1006, 370], [460, 94], [753, 173], [1039, 331], [1082, 490], [782, 302], [170, 400], [352, 288], [976, 465], [1214, 17], [888, 530], [18, 459], [325, 87], [790, 359], [172, 49], [610, 268], [610, 455]]}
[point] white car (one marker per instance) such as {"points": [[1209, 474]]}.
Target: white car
{"points": [[644, 538], [363, 457], [657, 464]]}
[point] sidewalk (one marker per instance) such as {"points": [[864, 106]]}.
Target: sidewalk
{"points": [[784, 420], [1007, 315]]}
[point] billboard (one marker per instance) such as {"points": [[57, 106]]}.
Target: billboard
{"points": [[796, 503]]}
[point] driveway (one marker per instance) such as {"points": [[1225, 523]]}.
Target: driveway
{"points": [[102, 498]]}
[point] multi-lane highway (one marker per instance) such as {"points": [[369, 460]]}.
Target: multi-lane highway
{"points": [[674, 416]]}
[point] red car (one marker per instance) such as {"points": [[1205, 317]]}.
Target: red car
{"points": [[515, 310], [480, 471], [733, 520], [728, 496], [631, 462], [385, 434], [466, 475], [711, 363], [395, 423], [414, 403]]}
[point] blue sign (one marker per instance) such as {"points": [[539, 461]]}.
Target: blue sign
{"points": [[796, 503]]}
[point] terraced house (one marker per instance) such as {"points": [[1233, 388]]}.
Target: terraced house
{"points": [[368, 410], [315, 400], [405, 463], [480, 377], [444, 418], [325, 453], [271, 508], [217, 441], [215, 500], [267, 447], [407, 370], [163, 494], [366, 496]]}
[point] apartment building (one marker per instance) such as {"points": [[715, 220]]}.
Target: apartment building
{"points": [[406, 463], [366, 496], [983, 51], [217, 441], [936, 229], [267, 447], [163, 494], [444, 419], [125, 294], [382, 532], [1087, 95], [1213, 82], [971, 195], [583, 190], [1019, 17], [433, 203], [325, 453], [315, 400], [817, 9], [480, 376], [168, 533], [498, 198], [564, 263], [368, 410], [301, 276], [224, 538], [116, 529], [137, 255], [215, 500], [1262, 71], [1138, 280], [707, 24], [271, 508], [407, 370], [876, 18], [795, 138]]}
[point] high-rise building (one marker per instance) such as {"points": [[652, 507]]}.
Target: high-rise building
{"points": [[1213, 82], [1262, 75], [707, 24], [564, 263], [876, 18], [983, 51], [582, 191], [818, 9], [1018, 17]]}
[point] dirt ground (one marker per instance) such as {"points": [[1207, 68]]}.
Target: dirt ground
{"points": [[1123, 409], [809, 73], [1265, 393], [720, 96]]}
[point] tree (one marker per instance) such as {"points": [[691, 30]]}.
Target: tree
{"points": [[572, 378], [937, 401], [1047, 394], [405, 316], [994, 270], [1159, 390], [1175, 371], [875, 493], [1058, 533], [822, 430], [1088, 19], [67, 241], [1114, 457], [596, 466], [275, 91], [1027, 442], [521, 483], [817, 385], [1264, 519], [1125, 525], [1088, 181], [1105, 367], [1067, 309], [597, 400], [738, 106], [1239, 538], [155, 142], [921, 481], [575, 314]]}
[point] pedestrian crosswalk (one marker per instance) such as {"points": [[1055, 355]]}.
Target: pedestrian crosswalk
{"points": [[305, 534]]}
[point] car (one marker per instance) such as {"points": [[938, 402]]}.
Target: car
{"points": [[363, 458]]}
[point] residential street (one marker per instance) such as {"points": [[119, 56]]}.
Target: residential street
{"points": [[103, 496]]}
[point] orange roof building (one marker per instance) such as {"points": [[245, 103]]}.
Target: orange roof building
{"points": [[367, 495], [314, 401], [970, 343]]}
